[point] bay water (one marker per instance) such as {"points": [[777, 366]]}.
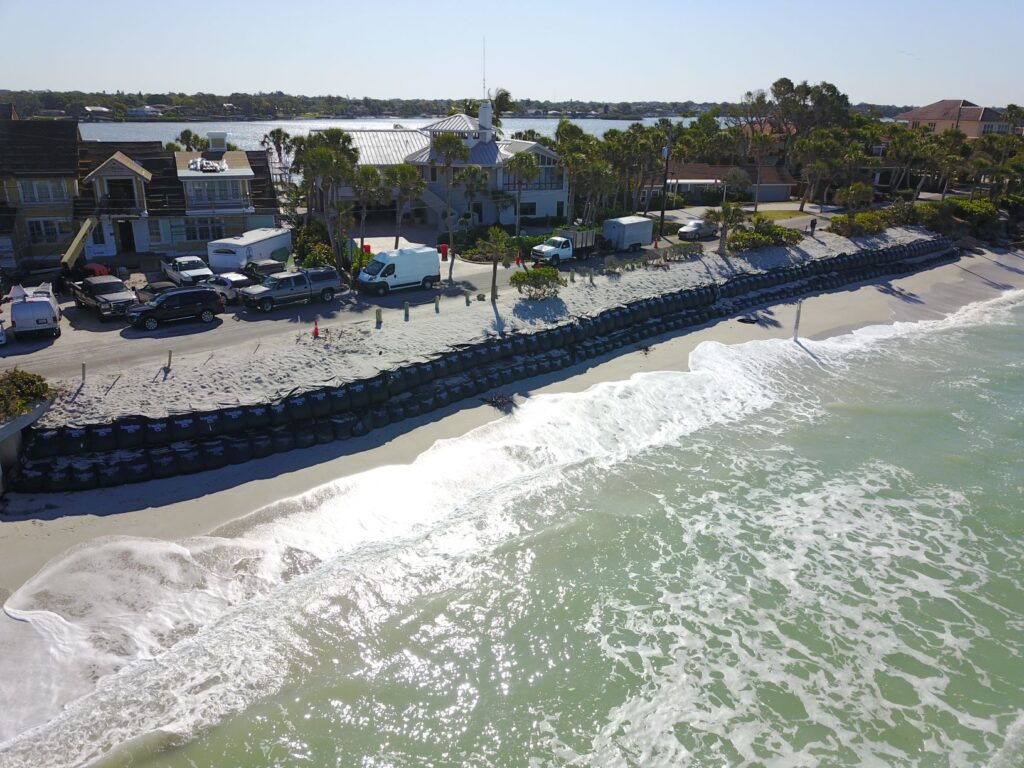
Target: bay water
{"points": [[795, 554]]}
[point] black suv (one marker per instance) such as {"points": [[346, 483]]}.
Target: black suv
{"points": [[179, 304]]}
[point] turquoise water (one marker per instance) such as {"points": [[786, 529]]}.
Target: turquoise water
{"points": [[794, 555]]}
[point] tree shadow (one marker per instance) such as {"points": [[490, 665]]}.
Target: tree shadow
{"points": [[991, 283], [544, 309], [900, 293]]}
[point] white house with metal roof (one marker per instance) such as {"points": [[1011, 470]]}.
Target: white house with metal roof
{"points": [[545, 196]]}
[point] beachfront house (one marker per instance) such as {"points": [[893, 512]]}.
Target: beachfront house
{"points": [[63, 197], [38, 186], [545, 196], [694, 179], [967, 117]]}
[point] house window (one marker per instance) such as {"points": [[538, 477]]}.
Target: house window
{"points": [[994, 128], [433, 173], [528, 209], [205, 229], [47, 230], [43, 191], [560, 210], [155, 235], [916, 124], [931, 126]]}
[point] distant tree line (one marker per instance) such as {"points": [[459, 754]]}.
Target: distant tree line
{"points": [[282, 105]]}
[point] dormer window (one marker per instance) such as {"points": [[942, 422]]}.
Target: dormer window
{"points": [[476, 134]]}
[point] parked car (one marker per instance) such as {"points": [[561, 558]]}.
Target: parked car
{"points": [[228, 284], [696, 229], [3, 334], [321, 283], [105, 295], [404, 268], [180, 304], [185, 270], [34, 311], [150, 291], [261, 268]]}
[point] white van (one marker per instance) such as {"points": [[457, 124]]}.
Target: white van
{"points": [[404, 268], [34, 311], [230, 254]]}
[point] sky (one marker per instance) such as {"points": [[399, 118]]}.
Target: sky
{"points": [[884, 52]]}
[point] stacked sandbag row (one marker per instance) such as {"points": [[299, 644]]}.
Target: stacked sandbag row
{"points": [[137, 448]]}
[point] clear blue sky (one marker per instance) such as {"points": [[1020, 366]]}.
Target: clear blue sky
{"points": [[891, 51]]}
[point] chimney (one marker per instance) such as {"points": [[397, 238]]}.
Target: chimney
{"points": [[218, 141], [484, 115]]}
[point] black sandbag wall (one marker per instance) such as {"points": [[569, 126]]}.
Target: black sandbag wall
{"points": [[136, 448]]}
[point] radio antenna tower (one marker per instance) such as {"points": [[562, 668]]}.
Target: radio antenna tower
{"points": [[485, 67]]}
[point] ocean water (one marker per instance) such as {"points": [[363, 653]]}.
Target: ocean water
{"points": [[796, 554]]}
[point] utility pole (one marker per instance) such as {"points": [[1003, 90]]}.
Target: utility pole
{"points": [[664, 182]]}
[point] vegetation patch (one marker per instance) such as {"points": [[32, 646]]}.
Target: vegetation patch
{"points": [[763, 233], [538, 283], [20, 391]]}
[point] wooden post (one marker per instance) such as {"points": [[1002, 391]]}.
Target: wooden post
{"points": [[407, 311], [572, 275], [437, 304], [169, 353], [590, 274], [83, 373], [468, 297], [380, 317]]}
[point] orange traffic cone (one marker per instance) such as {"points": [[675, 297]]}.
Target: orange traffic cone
{"points": [[656, 242], [316, 329]]}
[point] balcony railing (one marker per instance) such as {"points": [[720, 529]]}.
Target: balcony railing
{"points": [[511, 186], [123, 206], [227, 204]]}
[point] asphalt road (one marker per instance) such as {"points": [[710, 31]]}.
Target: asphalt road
{"points": [[107, 346]]}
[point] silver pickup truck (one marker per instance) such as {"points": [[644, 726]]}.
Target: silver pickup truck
{"points": [[317, 284]]}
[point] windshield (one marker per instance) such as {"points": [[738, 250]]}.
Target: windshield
{"points": [[374, 267], [554, 242], [104, 289], [191, 264], [270, 282]]}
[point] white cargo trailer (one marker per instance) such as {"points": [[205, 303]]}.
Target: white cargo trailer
{"points": [[629, 233], [230, 254]]}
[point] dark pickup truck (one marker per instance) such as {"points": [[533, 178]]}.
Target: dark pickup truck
{"points": [[105, 295]]}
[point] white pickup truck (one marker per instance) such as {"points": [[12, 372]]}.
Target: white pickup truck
{"points": [[564, 245], [186, 270]]}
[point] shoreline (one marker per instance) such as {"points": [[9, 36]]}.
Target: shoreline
{"points": [[34, 531]]}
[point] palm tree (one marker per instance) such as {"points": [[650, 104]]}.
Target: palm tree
{"points": [[280, 140], [449, 149], [727, 217], [192, 142], [474, 181], [761, 145], [344, 220], [524, 169], [408, 184], [366, 183], [501, 104], [501, 249]]}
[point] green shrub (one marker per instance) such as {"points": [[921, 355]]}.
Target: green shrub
{"points": [[901, 214], [763, 233], [318, 255], [1014, 205], [19, 391], [306, 237], [748, 240], [872, 222], [538, 283]]}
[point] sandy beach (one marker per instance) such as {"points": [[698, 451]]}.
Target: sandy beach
{"points": [[36, 529]]}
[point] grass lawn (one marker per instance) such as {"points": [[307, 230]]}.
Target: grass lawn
{"points": [[780, 215]]}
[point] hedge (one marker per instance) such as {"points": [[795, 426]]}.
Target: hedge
{"points": [[20, 391]]}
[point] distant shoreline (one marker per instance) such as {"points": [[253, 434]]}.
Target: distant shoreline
{"points": [[228, 119]]}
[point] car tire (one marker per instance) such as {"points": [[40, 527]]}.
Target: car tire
{"points": [[56, 333], [382, 290], [326, 295], [150, 323], [266, 305], [555, 261], [206, 316], [428, 283], [78, 303]]}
